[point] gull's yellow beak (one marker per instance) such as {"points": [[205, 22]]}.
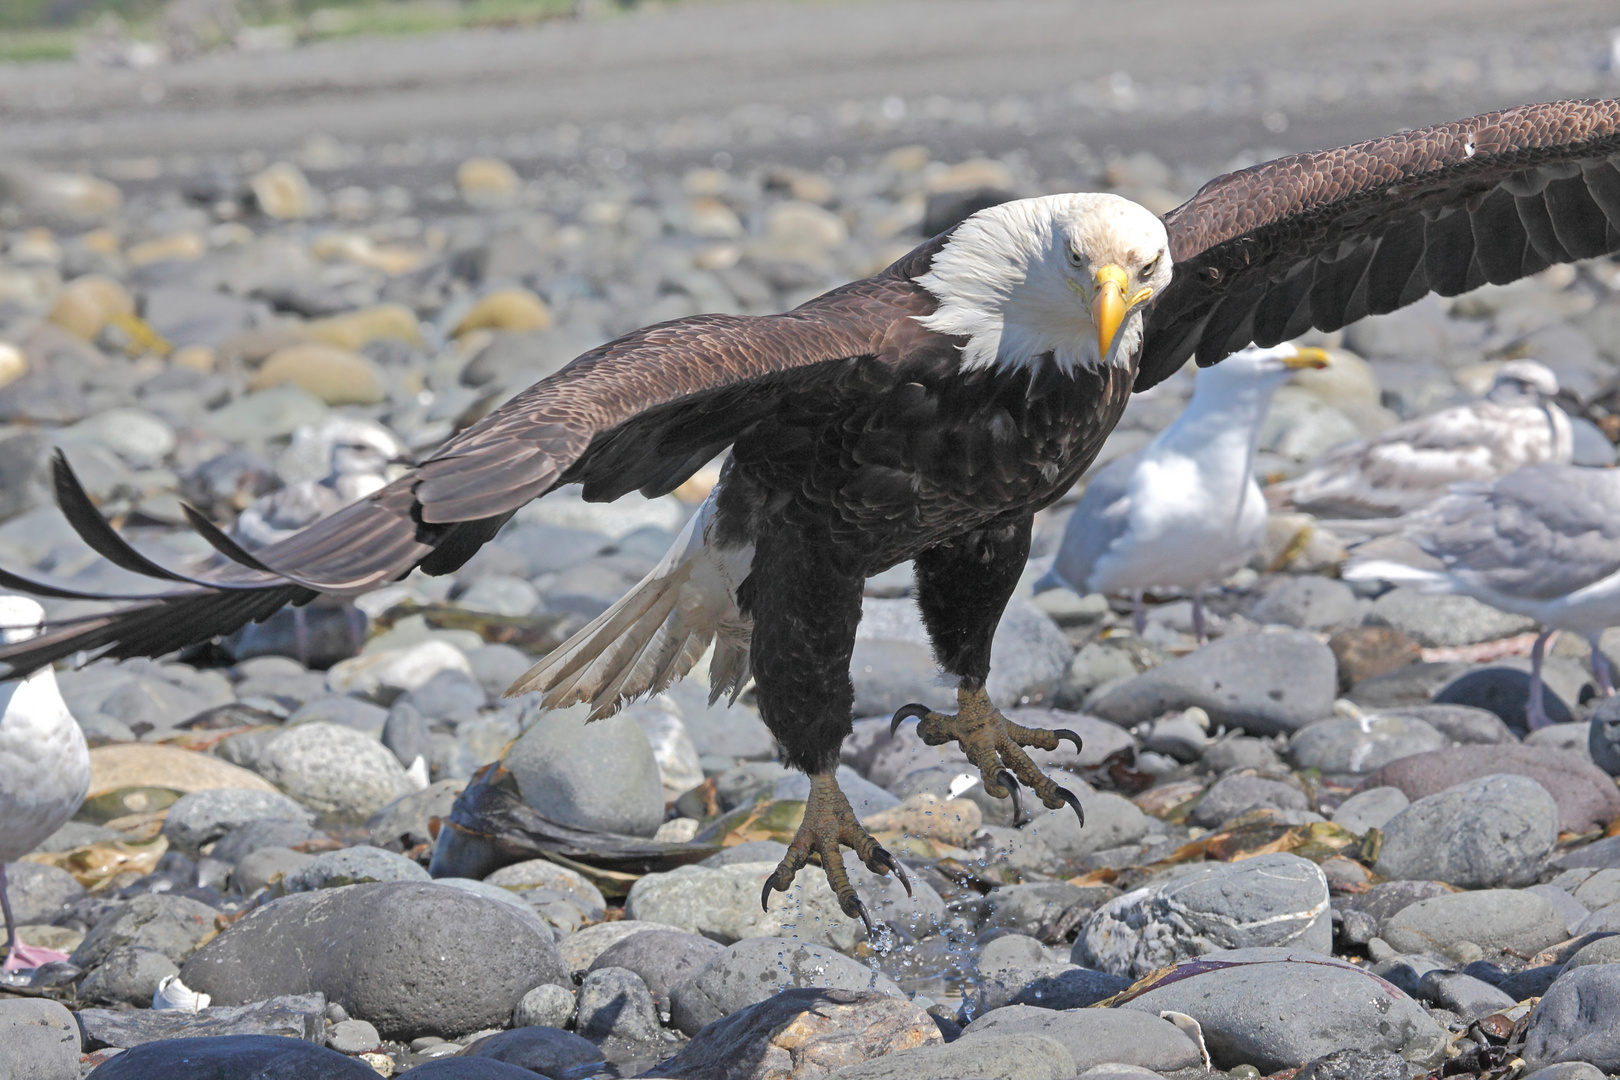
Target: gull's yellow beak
{"points": [[1110, 306], [1307, 357]]}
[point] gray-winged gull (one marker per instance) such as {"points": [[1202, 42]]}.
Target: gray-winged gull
{"points": [[1185, 510], [1514, 425], [1542, 542], [44, 767]]}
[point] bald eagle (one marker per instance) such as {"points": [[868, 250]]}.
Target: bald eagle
{"points": [[924, 413]]}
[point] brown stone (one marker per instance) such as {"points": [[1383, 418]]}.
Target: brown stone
{"points": [[1364, 652], [336, 376], [950, 821], [143, 765], [1586, 795], [802, 1033]]}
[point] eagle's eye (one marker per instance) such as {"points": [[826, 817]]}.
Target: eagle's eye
{"points": [[1152, 265], [1075, 258]]}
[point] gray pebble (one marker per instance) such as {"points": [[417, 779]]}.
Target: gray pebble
{"points": [[351, 866], [614, 1002], [1484, 833], [353, 1037], [547, 1005]]}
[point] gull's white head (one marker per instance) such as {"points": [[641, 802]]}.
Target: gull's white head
{"points": [[20, 618], [1266, 368], [1061, 276], [1523, 380]]}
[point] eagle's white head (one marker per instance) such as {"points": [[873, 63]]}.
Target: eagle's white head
{"points": [[1065, 276]]}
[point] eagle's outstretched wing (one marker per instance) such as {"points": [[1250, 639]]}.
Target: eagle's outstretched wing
{"points": [[642, 412], [1324, 238]]}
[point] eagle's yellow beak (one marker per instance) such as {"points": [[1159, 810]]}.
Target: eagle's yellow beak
{"points": [[1110, 307], [1307, 357]]}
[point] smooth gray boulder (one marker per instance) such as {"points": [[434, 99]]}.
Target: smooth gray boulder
{"points": [[601, 775], [1264, 683], [1007, 1057], [1276, 1008], [41, 1040], [414, 959], [1268, 900], [1578, 1019], [1361, 744], [752, 970], [1485, 833], [1094, 1036], [1489, 919]]}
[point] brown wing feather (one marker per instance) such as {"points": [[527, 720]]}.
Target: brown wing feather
{"points": [[644, 411], [1321, 239]]}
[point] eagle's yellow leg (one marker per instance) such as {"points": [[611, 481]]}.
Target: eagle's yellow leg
{"points": [[829, 822], [995, 746]]}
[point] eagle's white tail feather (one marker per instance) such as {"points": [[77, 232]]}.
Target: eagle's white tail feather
{"points": [[657, 631]]}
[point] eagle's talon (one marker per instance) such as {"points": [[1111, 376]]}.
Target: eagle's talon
{"points": [[1074, 737], [765, 893], [1073, 800], [856, 910], [1006, 779], [888, 862], [906, 712]]}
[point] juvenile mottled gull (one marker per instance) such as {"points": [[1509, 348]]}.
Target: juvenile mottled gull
{"points": [[1514, 425], [1542, 542], [1184, 510], [44, 767]]}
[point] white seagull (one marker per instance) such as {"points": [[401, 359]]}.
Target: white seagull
{"points": [[1542, 542], [1185, 510], [1412, 464], [44, 767]]}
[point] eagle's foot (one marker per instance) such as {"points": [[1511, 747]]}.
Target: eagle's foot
{"points": [[829, 821], [995, 745]]}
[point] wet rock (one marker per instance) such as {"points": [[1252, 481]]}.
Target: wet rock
{"points": [[1263, 683], [1325, 1005], [1238, 794], [289, 1017], [593, 776], [205, 816], [1013, 1057], [1494, 831], [334, 770], [1026, 908], [613, 1001], [1045, 986], [539, 1049], [1504, 691], [661, 958], [172, 925], [269, 1056], [1370, 809], [41, 1039], [1461, 924], [1268, 900], [1361, 744], [1586, 796], [470, 962], [758, 968], [1578, 1020], [803, 1032], [1433, 621], [39, 893], [351, 866], [1094, 1036]]}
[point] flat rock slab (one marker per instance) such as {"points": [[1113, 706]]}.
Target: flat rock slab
{"points": [[240, 1057], [1483, 833], [1094, 1036], [1006, 1057], [1275, 900], [1264, 683], [1578, 1019], [803, 1032], [1493, 919], [413, 959], [300, 1016], [1586, 795], [127, 765], [1361, 744], [753, 970], [1277, 1008]]}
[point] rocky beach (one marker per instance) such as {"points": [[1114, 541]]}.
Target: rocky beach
{"points": [[1322, 845]]}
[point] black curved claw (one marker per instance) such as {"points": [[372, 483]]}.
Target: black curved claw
{"points": [[906, 712], [1006, 779], [1073, 800], [765, 893], [860, 910], [894, 867], [1074, 737]]}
